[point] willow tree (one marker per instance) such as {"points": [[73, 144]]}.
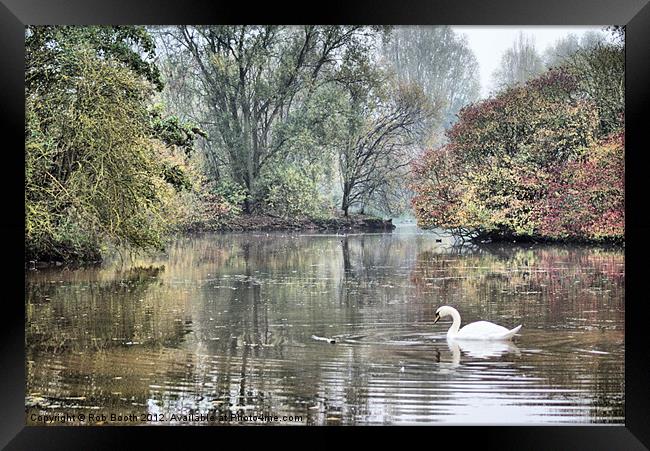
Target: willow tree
{"points": [[254, 80]]}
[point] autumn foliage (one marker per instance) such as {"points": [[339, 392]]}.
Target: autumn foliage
{"points": [[532, 162], [587, 199]]}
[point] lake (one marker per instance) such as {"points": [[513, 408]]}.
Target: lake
{"points": [[235, 329]]}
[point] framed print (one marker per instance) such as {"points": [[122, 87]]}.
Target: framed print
{"points": [[368, 216]]}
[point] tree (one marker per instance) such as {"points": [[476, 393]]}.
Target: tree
{"points": [[601, 73], [526, 163], [51, 49], [519, 63], [96, 160], [586, 198], [543, 159], [561, 50], [376, 144], [254, 81], [618, 33]]}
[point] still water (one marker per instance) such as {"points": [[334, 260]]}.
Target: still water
{"points": [[223, 326]]}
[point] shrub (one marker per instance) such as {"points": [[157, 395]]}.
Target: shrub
{"points": [[587, 197], [97, 168], [527, 163], [290, 193], [210, 206]]}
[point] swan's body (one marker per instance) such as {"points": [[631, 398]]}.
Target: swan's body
{"points": [[480, 330]]}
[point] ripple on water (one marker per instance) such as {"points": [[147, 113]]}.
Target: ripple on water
{"points": [[227, 327]]}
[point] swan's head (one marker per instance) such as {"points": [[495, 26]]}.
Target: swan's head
{"points": [[443, 311]]}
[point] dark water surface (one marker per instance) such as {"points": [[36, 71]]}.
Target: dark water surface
{"points": [[223, 325]]}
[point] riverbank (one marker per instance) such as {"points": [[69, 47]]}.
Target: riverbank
{"points": [[241, 223], [360, 223], [496, 237]]}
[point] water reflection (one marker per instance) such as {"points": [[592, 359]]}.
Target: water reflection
{"points": [[223, 324], [480, 349]]}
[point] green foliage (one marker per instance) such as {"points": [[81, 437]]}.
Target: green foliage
{"points": [[262, 93], [95, 171], [291, 193], [316, 98], [209, 206], [176, 175], [232, 193], [88, 158], [601, 75], [173, 132], [50, 49]]}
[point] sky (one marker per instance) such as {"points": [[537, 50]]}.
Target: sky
{"points": [[489, 44]]}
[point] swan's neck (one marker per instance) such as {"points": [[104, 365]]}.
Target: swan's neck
{"points": [[455, 326]]}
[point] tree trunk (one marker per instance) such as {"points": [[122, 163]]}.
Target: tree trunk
{"points": [[248, 199], [345, 204]]}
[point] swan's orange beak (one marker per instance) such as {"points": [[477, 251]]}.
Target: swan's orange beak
{"points": [[437, 318]]}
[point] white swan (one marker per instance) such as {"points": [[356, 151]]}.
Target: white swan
{"points": [[480, 330]]}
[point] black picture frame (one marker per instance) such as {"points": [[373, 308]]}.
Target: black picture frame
{"points": [[634, 14]]}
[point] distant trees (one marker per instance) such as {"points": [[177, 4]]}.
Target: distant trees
{"points": [[522, 61], [566, 47], [600, 71], [543, 159], [440, 61], [519, 63]]}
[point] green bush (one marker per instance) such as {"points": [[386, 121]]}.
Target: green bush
{"points": [[290, 193], [232, 193], [210, 206], [95, 171]]}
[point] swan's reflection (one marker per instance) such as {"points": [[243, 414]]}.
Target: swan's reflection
{"points": [[479, 349]]}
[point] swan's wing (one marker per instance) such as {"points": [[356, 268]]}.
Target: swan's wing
{"points": [[482, 328]]}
